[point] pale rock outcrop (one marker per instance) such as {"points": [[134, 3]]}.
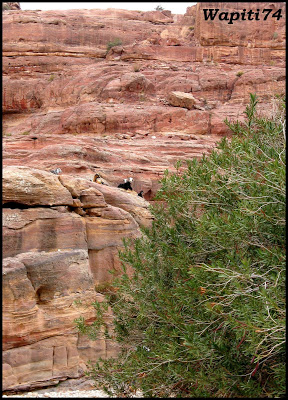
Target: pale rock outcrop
{"points": [[182, 99], [30, 187]]}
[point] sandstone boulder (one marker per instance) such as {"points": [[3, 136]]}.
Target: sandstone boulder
{"points": [[29, 186], [43, 363], [102, 231], [43, 293], [181, 99]]}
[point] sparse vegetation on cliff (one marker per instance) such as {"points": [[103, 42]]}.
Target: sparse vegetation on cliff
{"points": [[113, 43], [275, 35]]}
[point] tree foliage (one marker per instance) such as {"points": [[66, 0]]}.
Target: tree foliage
{"points": [[203, 314]]}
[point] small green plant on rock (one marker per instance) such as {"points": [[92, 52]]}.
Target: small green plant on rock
{"points": [[106, 287], [275, 35], [240, 73], [113, 43], [77, 302]]}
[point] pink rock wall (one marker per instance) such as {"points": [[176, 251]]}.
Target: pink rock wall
{"points": [[55, 256]]}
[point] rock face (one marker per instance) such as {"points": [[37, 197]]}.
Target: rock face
{"points": [[54, 259], [99, 80], [243, 32], [123, 94]]}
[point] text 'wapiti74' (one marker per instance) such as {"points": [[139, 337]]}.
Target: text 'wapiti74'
{"points": [[211, 13]]}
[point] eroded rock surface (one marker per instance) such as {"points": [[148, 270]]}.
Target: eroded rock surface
{"points": [[54, 259], [79, 86]]}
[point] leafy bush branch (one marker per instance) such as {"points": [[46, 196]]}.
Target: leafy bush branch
{"points": [[203, 314]]}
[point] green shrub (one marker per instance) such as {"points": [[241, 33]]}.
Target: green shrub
{"points": [[275, 35], [113, 43], [240, 73], [204, 313]]}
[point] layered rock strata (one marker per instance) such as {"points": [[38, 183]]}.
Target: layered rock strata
{"points": [[111, 75], [56, 259]]}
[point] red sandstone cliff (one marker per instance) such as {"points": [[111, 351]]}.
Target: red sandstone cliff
{"points": [[61, 237], [60, 83], [132, 110]]}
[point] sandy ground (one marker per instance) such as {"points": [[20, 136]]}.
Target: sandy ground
{"points": [[98, 394], [81, 388]]}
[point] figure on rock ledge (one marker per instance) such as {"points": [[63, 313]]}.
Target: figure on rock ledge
{"points": [[56, 171], [97, 178], [127, 184]]}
